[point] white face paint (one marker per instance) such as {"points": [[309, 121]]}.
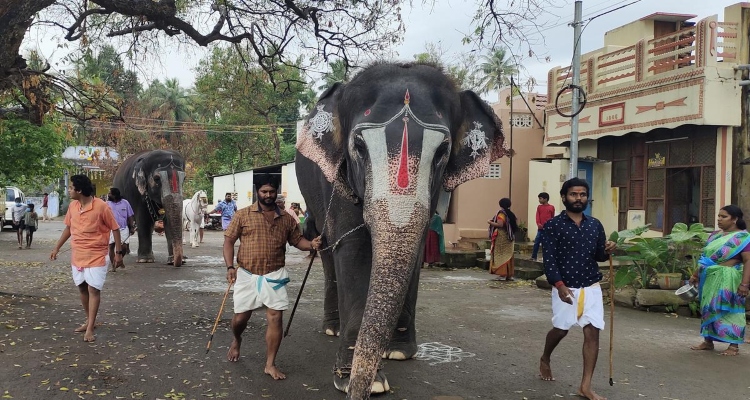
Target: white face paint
{"points": [[400, 206]]}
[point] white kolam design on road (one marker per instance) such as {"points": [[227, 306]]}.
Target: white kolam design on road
{"points": [[438, 353]]}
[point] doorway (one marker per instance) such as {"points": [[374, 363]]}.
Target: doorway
{"points": [[683, 195], [586, 172]]}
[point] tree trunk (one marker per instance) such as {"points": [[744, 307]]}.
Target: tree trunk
{"points": [[15, 19]]}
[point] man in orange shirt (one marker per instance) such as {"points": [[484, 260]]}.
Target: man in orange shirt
{"points": [[89, 222], [263, 229]]}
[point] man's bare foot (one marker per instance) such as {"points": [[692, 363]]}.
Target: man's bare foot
{"points": [[274, 372], [589, 394], [89, 336], [731, 351], [81, 328], [233, 354], [703, 346], [545, 371]]}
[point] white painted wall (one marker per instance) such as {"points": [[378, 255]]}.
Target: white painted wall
{"points": [[290, 186], [242, 183]]}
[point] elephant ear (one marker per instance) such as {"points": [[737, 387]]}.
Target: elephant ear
{"points": [[139, 176], [318, 139], [479, 142]]}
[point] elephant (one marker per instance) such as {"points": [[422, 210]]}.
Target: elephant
{"points": [[152, 182], [194, 211], [373, 159]]}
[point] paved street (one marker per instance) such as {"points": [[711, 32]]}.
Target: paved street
{"points": [[479, 339]]}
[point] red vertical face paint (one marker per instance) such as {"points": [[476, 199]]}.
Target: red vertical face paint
{"points": [[174, 181], [403, 167]]}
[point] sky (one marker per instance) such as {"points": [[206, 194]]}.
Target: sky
{"points": [[445, 22]]}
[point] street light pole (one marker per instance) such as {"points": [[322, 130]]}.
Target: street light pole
{"points": [[576, 71]]}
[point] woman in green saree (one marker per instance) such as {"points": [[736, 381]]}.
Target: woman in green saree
{"points": [[724, 283]]}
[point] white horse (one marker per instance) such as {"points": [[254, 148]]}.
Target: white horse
{"points": [[193, 210]]}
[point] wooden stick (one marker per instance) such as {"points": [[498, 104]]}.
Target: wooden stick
{"points": [[294, 309], [611, 316], [218, 317]]}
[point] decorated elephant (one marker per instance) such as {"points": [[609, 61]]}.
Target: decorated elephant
{"points": [[152, 182], [373, 159]]}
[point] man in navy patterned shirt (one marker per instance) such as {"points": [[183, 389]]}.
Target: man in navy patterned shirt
{"points": [[573, 243]]}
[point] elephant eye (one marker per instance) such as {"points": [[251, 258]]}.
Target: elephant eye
{"points": [[157, 178], [441, 154], [359, 147]]}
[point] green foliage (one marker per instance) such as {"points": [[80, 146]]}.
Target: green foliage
{"points": [[497, 69], [235, 93], [339, 72], [463, 70], [30, 155], [677, 252]]}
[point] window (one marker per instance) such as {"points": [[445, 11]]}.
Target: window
{"points": [[521, 120], [494, 172]]}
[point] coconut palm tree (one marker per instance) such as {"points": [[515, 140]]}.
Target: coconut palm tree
{"points": [[170, 101], [497, 70]]}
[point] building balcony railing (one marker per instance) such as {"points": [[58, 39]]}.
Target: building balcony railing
{"points": [[708, 43]]}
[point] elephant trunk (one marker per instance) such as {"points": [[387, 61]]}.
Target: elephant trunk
{"points": [[173, 226], [395, 252]]}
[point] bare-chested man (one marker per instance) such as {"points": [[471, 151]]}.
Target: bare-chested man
{"points": [[263, 229], [573, 243]]}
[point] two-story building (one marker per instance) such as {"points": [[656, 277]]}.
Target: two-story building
{"points": [[660, 134]]}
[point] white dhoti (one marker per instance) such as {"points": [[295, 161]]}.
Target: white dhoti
{"points": [[93, 276], [124, 236], [587, 308], [252, 292]]}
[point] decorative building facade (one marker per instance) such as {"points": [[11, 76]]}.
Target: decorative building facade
{"points": [[663, 109]]}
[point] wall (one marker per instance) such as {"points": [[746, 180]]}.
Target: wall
{"points": [[544, 177], [241, 182], [605, 206], [290, 186]]}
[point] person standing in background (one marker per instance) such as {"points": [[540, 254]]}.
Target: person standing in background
{"points": [[45, 203], [19, 211], [503, 228], [544, 213], [227, 208]]}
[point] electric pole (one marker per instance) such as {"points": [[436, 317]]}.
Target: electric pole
{"points": [[576, 71]]}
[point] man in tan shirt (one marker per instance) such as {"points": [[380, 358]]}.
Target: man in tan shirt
{"points": [[263, 229]]}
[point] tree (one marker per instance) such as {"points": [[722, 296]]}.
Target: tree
{"points": [[169, 101], [497, 70], [31, 154], [107, 66], [271, 31], [339, 72], [258, 116], [463, 70]]}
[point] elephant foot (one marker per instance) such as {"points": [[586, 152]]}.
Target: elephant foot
{"points": [[145, 260], [400, 351], [331, 329], [341, 381]]}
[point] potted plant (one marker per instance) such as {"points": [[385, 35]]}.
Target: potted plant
{"points": [[664, 259]]}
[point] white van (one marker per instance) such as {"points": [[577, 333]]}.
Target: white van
{"points": [[11, 192]]}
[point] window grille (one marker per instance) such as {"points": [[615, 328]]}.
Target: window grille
{"points": [[521, 120], [494, 172]]}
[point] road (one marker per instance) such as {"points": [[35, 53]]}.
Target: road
{"points": [[479, 339]]}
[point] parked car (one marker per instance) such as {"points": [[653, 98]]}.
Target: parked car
{"points": [[11, 192]]}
